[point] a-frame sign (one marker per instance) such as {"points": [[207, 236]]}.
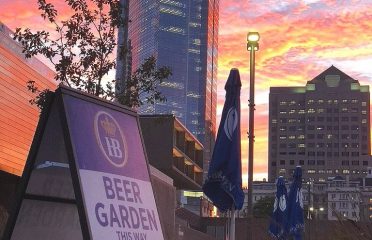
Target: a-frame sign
{"points": [[86, 175]]}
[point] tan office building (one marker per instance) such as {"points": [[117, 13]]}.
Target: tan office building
{"points": [[323, 126]]}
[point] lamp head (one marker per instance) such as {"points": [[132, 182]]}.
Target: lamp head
{"points": [[253, 37], [252, 41]]}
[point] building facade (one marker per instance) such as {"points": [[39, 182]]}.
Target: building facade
{"points": [[184, 36], [323, 126], [172, 149], [18, 118]]}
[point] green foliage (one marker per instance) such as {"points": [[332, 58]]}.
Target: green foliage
{"points": [[81, 49], [143, 84], [263, 207]]}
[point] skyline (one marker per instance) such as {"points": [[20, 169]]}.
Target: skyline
{"points": [[299, 40]]}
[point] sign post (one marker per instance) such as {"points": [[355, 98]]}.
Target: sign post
{"points": [[100, 159]]}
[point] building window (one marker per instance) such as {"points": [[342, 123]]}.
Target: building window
{"points": [[320, 162], [310, 153], [301, 162], [355, 154], [320, 145], [344, 119], [311, 110], [345, 171], [310, 171], [345, 163], [292, 145], [282, 162], [291, 162], [320, 119], [320, 127], [364, 104], [273, 164], [311, 162], [365, 163], [355, 163]]}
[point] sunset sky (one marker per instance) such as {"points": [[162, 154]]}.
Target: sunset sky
{"points": [[299, 39]]}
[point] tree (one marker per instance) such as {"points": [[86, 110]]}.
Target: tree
{"points": [[82, 51], [263, 207], [143, 84]]}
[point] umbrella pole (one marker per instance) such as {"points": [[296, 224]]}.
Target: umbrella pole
{"points": [[232, 223]]}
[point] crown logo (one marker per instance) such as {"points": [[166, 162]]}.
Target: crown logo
{"points": [[109, 127]]}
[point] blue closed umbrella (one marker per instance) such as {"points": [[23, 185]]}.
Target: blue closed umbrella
{"points": [[280, 213], [223, 185], [295, 224]]}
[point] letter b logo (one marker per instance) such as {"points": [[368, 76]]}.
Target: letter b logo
{"points": [[113, 147], [110, 139]]}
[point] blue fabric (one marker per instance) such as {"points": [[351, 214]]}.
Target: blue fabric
{"points": [[280, 213], [223, 185], [295, 225]]}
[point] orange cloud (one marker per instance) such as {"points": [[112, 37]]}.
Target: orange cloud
{"points": [[298, 41]]}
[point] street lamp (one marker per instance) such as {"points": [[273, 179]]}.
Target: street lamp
{"points": [[252, 47]]}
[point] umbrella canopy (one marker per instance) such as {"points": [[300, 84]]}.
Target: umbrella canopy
{"points": [[295, 224], [280, 213], [223, 185]]}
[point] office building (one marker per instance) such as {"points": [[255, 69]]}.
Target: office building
{"points": [[184, 36], [323, 126], [172, 149], [18, 118]]}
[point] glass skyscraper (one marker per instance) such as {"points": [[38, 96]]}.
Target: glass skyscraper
{"points": [[181, 34]]}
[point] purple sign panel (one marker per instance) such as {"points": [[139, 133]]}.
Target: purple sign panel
{"points": [[114, 178]]}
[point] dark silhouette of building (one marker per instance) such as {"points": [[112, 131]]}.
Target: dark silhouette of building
{"points": [[172, 149], [184, 36], [323, 126]]}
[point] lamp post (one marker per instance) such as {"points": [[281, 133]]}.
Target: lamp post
{"points": [[252, 47]]}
